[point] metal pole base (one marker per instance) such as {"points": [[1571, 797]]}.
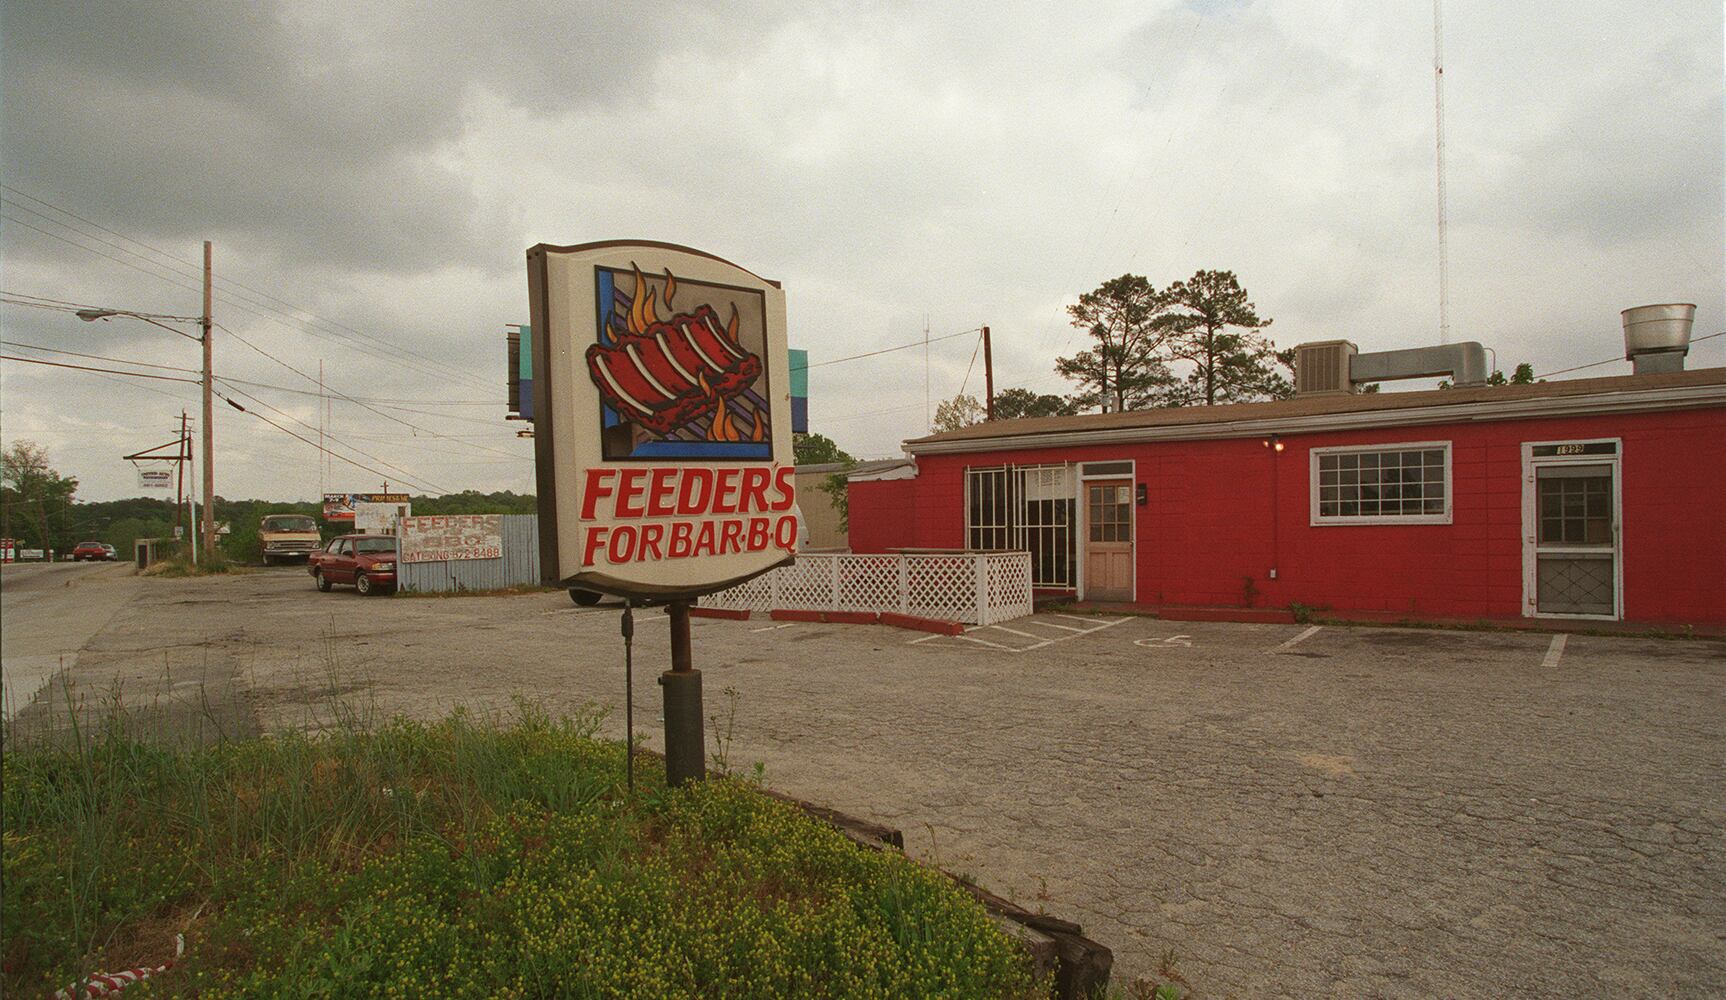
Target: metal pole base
{"points": [[685, 734]]}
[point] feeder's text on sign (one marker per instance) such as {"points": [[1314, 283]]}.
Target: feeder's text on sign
{"points": [[448, 537]]}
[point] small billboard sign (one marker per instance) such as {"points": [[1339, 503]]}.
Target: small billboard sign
{"points": [[379, 518], [155, 479], [451, 537], [340, 506], [662, 419]]}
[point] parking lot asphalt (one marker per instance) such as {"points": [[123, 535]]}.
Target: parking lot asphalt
{"points": [[1336, 811]]}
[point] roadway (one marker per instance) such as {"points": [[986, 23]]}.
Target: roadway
{"points": [[48, 612]]}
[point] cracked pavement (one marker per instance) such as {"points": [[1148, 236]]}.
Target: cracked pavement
{"points": [[1361, 812]]}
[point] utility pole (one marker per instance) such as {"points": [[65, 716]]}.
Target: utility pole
{"points": [[209, 524], [181, 453], [988, 377]]}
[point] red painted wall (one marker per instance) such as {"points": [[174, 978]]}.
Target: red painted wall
{"points": [[1221, 514]]}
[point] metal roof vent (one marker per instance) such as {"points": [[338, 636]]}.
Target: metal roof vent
{"points": [[1656, 338], [1321, 368]]}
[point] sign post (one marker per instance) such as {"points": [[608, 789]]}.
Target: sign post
{"points": [[662, 444]]}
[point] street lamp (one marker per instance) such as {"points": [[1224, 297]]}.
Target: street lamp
{"points": [[92, 315], [208, 525]]}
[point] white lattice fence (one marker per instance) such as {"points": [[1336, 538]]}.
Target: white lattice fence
{"points": [[1008, 589], [866, 583], [977, 587], [943, 586]]}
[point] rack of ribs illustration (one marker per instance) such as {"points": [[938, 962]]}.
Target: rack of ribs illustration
{"points": [[670, 373]]}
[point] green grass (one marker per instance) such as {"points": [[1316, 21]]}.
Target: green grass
{"points": [[462, 858]]}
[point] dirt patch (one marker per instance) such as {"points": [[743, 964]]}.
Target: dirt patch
{"points": [[1333, 765]]}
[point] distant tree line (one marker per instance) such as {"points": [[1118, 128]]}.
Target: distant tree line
{"points": [[38, 503]]}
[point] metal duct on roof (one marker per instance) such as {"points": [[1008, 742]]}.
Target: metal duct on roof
{"points": [[1464, 364]]}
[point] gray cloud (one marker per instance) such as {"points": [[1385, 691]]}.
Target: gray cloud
{"points": [[385, 166]]}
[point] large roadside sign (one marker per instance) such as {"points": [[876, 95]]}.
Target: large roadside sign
{"points": [[662, 419]]}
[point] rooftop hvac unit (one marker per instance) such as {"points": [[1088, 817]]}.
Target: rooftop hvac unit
{"points": [[1321, 367]]}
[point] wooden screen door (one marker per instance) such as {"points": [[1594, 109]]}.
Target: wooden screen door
{"points": [[1109, 540]]}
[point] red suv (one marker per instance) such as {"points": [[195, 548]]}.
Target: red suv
{"points": [[91, 550], [366, 561]]}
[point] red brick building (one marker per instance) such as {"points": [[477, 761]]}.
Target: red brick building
{"points": [[1590, 498]]}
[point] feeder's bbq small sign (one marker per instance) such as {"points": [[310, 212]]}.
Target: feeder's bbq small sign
{"points": [[451, 537], [662, 429]]}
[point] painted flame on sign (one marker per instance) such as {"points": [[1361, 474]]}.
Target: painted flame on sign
{"points": [[642, 311]]}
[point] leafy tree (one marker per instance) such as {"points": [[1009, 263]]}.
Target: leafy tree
{"points": [[1011, 404], [838, 490], [960, 411], [1211, 324], [1122, 369], [35, 500], [817, 449]]}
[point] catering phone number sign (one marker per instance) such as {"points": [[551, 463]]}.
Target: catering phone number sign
{"points": [[450, 537], [662, 419]]}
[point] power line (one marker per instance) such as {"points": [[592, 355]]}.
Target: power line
{"points": [[889, 350], [356, 339], [411, 479], [304, 328], [1597, 364], [85, 368], [342, 395], [358, 465], [332, 437], [97, 357], [239, 381]]}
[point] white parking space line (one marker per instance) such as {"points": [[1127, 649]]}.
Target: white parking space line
{"points": [[1555, 651], [772, 628], [1026, 635], [1065, 628], [992, 645], [1285, 647]]}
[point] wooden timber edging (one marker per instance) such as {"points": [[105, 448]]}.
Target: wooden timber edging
{"points": [[1080, 966]]}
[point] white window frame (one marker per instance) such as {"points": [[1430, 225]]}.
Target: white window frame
{"points": [[1530, 529], [1317, 521]]}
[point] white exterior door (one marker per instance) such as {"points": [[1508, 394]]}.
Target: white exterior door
{"points": [[1572, 531]]}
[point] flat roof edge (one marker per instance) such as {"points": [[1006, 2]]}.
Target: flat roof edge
{"points": [[1617, 401]]}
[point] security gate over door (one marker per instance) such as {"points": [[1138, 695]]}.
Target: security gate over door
{"points": [[1573, 560], [1109, 540]]}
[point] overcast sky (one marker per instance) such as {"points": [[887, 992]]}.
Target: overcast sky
{"points": [[371, 174]]}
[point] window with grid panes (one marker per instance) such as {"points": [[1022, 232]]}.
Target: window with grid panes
{"points": [[1382, 484], [1111, 509]]}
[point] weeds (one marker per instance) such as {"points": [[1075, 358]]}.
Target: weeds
{"points": [[475, 855], [724, 721], [181, 565]]}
